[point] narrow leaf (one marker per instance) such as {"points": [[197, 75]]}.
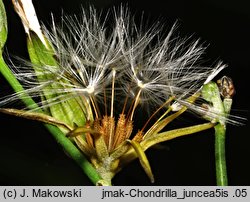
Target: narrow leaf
{"points": [[143, 159], [3, 26], [168, 135], [35, 116]]}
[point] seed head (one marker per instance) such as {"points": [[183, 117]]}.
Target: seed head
{"points": [[109, 65]]}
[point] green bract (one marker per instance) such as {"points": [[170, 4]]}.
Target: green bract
{"points": [[3, 25], [71, 111]]}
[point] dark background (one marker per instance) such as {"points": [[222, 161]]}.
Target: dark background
{"points": [[30, 156]]}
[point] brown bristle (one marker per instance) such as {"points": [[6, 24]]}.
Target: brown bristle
{"points": [[89, 140], [113, 134], [138, 137], [110, 132], [103, 128], [88, 136], [129, 128], [120, 132]]}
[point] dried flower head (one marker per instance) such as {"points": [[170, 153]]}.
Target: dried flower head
{"points": [[107, 66]]}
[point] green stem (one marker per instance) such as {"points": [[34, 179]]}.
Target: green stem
{"points": [[68, 146], [213, 94], [220, 157]]}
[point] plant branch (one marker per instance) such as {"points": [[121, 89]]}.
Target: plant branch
{"points": [[220, 157], [165, 136], [67, 145]]}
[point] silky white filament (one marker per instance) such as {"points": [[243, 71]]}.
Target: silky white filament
{"points": [[110, 57]]}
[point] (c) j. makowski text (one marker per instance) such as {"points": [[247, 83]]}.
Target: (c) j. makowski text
{"points": [[48, 193]]}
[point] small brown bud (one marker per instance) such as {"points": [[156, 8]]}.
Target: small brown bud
{"points": [[226, 87]]}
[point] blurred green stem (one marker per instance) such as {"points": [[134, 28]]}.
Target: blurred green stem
{"points": [[220, 156]]}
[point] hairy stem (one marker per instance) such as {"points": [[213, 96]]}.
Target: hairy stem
{"points": [[220, 157]]}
